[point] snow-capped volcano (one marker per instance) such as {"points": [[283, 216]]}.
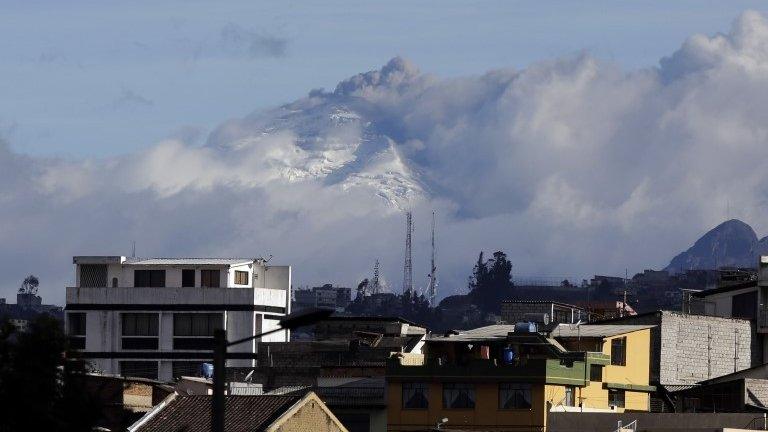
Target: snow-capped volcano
{"points": [[334, 137]]}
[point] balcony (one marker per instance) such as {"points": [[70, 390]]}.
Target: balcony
{"points": [[544, 370]]}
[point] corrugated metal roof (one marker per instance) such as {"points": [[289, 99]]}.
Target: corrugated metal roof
{"points": [[188, 261], [495, 331], [595, 330]]}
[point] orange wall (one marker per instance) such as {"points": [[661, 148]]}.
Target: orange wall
{"points": [[485, 416]]}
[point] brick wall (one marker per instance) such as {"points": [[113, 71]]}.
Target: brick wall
{"points": [[310, 417]]}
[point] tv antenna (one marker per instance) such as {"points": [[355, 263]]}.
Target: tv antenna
{"points": [[432, 289]]}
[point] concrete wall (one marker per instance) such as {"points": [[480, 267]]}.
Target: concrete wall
{"points": [[573, 422], [686, 349], [756, 391]]}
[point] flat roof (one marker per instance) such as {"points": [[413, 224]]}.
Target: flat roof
{"points": [[596, 330], [543, 302], [188, 261], [370, 318], [725, 289]]}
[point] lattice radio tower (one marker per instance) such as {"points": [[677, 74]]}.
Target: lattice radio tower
{"points": [[408, 266], [376, 286], [432, 290]]}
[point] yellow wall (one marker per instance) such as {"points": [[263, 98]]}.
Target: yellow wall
{"points": [[486, 415], [636, 372]]}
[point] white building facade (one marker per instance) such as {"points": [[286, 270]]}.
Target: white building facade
{"points": [[155, 317]]}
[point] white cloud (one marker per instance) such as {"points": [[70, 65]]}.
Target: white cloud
{"points": [[573, 166]]}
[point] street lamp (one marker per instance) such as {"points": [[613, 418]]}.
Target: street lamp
{"points": [[289, 322]]}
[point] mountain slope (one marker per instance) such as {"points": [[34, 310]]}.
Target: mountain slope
{"points": [[732, 243]]}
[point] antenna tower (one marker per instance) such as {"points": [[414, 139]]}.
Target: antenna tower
{"points": [[375, 287], [408, 266], [432, 290]]}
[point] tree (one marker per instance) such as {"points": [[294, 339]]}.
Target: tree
{"points": [[40, 387], [491, 282]]}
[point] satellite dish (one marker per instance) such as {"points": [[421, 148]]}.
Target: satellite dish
{"points": [[249, 376]]}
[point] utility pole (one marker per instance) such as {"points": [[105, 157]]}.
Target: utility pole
{"points": [[432, 291], [289, 322], [408, 265]]}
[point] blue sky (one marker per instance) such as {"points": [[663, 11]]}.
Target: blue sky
{"points": [[95, 79]]}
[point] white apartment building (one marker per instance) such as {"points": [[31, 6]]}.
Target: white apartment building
{"points": [[155, 317]]}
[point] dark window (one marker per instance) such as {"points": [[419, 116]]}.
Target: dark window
{"points": [[149, 278], [114, 282], [570, 396], [193, 343], [76, 323], [139, 343], [187, 278], [139, 369], [185, 368], [140, 324], [616, 398], [210, 278], [514, 396], [744, 305], [619, 351], [241, 277], [415, 396], [76, 329], [197, 324], [458, 396], [595, 372]]}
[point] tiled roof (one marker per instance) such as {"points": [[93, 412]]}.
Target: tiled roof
{"points": [[243, 413], [187, 261]]}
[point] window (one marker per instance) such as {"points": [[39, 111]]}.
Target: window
{"points": [[415, 396], [210, 278], [616, 398], [76, 329], [185, 368], [570, 396], [140, 331], [194, 331], [139, 369], [619, 351], [188, 278], [595, 372], [149, 278], [241, 277], [114, 282], [93, 275], [458, 396], [514, 396]]}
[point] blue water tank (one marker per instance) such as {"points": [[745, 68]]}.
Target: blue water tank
{"points": [[508, 355], [206, 370], [526, 327]]}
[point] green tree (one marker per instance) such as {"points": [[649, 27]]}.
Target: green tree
{"points": [[491, 282], [40, 388]]}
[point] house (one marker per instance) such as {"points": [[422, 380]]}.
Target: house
{"points": [[345, 366], [505, 377], [514, 311], [122, 400], [686, 349], [155, 317], [326, 297], [260, 413], [742, 391]]}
